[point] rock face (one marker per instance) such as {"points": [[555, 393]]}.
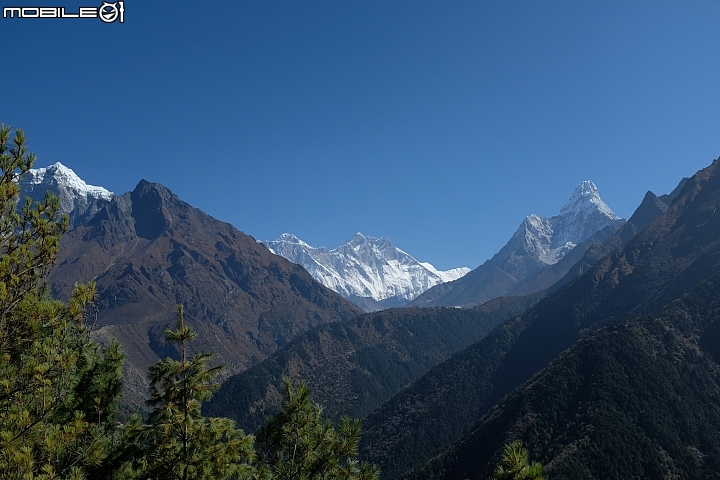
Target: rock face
{"points": [[78, 199], [538, 243], [372, 272], [148, 251]]}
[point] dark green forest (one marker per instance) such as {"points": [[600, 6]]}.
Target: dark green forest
{"points": [[640, 398], [352, 367]]}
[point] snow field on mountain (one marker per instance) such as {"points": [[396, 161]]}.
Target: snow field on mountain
{"points": [[364, 267]]}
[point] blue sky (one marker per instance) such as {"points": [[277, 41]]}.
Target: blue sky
{"points": [[438, 125]]}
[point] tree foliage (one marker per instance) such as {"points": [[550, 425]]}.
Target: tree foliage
{"points": [[178, 443], [515, 464], [298, 443], [58, 390]]}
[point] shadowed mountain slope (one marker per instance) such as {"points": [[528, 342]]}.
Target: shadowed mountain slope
{"points": [[353, 366], [637, 399], [147, 251], [648, 272]]}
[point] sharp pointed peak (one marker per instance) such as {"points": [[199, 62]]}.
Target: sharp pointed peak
{"points": [[586, 190], [586, 196], [145, 186], [359, 238], [289, 238], [59, 166], [56, 167], [151, 195], [586, 186]]}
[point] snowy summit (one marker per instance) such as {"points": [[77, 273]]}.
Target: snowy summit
{"points": [[59, 174], [371, 272], [549, 239], [77, 198]]}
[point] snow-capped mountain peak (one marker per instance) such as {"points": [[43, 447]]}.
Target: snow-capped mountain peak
{"points": [[584, 199], [547, 240], [365, 268], [292, 239], [533, 251], [77, 198], [61, 175]]}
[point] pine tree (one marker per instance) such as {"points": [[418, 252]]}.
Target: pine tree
{"points": [[298, 444], [178, 443], [515, 464], [58, 390]]}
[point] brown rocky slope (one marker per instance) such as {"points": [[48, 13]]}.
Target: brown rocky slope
{"points": [[148, 251]]}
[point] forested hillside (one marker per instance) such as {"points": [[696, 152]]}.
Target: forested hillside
{"points": [[640, 398], [353, 366], [59, 390]]}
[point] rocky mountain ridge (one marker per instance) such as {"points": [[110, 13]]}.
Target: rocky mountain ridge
{"points": [[372, 272], [148, 251], [676, 252]]}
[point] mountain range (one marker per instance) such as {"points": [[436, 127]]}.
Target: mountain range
{"points": [[609, 370], [374, 274], [636, 304], [538, 244], [147, 251], [371, 272]]}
